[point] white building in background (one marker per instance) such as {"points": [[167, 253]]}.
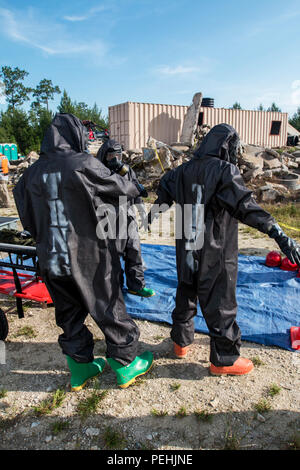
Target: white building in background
{"points": [[132, 123]]}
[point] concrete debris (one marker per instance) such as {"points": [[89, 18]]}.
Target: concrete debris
{"points": [[265, 171], [5, 199], [272, 152], [261, 168], [153, 161], [190, 122], [93, 146], [268, 194], [272, 164]]}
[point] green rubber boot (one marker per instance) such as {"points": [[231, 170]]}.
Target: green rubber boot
{"points": [[144, 292], [82, 371], [126, 375]]}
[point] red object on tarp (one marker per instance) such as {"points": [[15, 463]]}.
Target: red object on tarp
{"points": [[286, 265], [33, 288], [273, 259], [295, 337]]}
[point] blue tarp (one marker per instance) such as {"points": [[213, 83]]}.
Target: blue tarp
{"points": [[268, 298]]}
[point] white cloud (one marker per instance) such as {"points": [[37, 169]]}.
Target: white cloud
{"points": [[272, 22], [76, 18], [51, 38], [91, 12], [179, 70]]}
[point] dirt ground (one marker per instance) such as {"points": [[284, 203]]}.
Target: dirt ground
{"points": [[178, 405]]}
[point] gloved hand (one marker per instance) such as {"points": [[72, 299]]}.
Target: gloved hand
{"points": [[142, 190], [287, 245], [25, 234]]}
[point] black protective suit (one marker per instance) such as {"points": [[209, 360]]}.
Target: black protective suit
{"points": [[129, 248], [57, 200], [212, 182]]}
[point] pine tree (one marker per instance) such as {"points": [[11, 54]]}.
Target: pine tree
{"points": [[15, 92], [45, 91]]}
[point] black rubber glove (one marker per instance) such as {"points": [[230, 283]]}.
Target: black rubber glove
{"points": [[287, 245], [25, 234], [142, 190]]}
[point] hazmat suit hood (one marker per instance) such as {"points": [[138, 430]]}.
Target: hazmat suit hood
{"points": [[109, 145], [65, 133], [222, 142]]}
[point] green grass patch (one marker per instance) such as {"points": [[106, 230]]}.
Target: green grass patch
{"points": [[26, 331], [175, 387], [181, 413], [257, 361], [288, 214], [252, 232], [59, 426], [262, 406], [158, 413], [274, 390], [90, 404], [50, 404], [203, 415], [286, 150], [151, 198], [3, 393], [158, 337], [114, 439], [231, 441]]}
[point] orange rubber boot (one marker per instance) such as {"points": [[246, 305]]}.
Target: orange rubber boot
{"points": [[241, 366], [179, 351]]}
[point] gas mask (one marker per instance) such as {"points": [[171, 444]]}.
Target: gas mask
{"points": [[233, 149], [114, 162]]}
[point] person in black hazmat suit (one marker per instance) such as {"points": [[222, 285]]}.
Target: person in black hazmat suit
{"points": [[57, 199], [207, 253], [110, 154]]}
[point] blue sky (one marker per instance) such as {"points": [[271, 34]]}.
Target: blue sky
{"points": [[158, 51]]}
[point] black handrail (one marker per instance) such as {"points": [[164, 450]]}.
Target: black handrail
{"points": [[18, 249]]}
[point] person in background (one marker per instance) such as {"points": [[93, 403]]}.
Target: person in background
{"points": [[129, 247], [57, 199], [207, 253], [5, 199]]}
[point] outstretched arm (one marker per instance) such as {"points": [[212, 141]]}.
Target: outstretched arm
{"points": [[237, 199]]}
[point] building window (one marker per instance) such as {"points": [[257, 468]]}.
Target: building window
{"points": [[275, 128]]}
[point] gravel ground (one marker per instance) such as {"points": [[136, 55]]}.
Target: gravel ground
{"points": [[177, 405]]}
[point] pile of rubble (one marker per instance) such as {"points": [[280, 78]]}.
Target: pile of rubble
{"points": [[17, 167], [272, 174], [151, 162]]}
